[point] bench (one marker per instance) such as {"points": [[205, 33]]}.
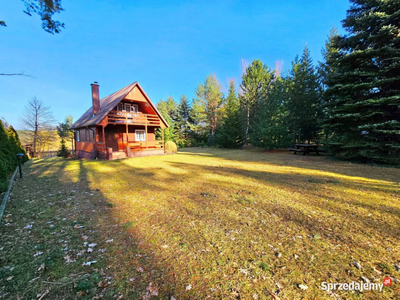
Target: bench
{"points": [[305, 148]]}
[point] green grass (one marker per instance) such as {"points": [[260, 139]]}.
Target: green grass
{"points": [[231, 224]]}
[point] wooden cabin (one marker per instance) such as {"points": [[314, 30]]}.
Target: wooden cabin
{"points": [[120, 125]]}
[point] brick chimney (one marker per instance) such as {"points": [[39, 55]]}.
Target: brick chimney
{"points": [[95, 97]]}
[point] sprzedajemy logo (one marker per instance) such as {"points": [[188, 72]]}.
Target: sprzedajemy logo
{"points": [[356, 286]]}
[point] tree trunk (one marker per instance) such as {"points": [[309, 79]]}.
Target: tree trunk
{"points": [[247, 123], [35, 134]]}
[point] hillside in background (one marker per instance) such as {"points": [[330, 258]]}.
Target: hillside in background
{"points": [[48, 140]]}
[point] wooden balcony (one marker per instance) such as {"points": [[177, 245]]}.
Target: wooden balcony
{"points": [[120, 117]]}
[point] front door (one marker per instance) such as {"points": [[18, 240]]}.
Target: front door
{"points": [[112, 140]]}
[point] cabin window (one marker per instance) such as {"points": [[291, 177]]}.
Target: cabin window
{"points": [[77, 136], [140, 135], [133, 108]]}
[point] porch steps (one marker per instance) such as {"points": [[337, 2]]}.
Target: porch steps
{"points": [[118, 154]]}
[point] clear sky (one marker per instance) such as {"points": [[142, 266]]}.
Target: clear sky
{"points": [[169, 47]]}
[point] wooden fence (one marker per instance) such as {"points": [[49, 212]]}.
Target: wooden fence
{"points": [[46, 154]]}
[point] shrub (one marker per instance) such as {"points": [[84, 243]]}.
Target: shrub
{"points": [[63, 151], [170, 147]]}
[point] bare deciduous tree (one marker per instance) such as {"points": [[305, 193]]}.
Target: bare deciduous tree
{"points": [[37, 118]]}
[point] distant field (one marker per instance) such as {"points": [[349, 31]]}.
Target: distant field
{"points": [[202, 224], [54, 145]]}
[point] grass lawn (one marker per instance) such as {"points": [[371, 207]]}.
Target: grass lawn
{"points": [[202, 224]]}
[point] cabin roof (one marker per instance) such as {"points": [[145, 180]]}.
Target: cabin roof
{"points": [[107, 104]]}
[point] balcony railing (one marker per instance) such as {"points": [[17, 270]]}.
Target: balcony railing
{"points": [[120, 117]]}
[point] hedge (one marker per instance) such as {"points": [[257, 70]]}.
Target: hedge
{"points": [[10, 145]]}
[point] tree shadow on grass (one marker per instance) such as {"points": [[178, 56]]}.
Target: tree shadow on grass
{"points": [[68, 208], [313, 162], [160, 199], [298, 183]]}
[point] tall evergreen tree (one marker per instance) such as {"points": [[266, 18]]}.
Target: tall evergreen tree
{"points": [[168, 109], [210, 96], [365, 93], [256, 80], [304, 99], [326, 69], [270, 129], [65, 133], [200, 130], [231, 133], [183, 122]]}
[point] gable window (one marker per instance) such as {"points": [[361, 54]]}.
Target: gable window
{"points": [[133, 108], [140, 135]]}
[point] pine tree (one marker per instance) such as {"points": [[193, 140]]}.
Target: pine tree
{"points": [[364, 108], [183, 121], [64, 131], [63, 151], [231, 134], [270, 129], [210, 97], [326, 69], [304, 99], [199, 128], [168, 110], [256, 81]]}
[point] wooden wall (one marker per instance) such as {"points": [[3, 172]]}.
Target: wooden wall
{"points": [[84, 146], [87, 134]]}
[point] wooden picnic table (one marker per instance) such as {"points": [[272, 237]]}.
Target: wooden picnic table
{"points": [[305, 148]]}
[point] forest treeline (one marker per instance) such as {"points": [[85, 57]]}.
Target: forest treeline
{"points": [[349, 102]]}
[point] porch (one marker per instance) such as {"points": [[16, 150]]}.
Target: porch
{"points": [[115, 141]]}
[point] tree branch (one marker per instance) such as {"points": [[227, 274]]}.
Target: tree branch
{"points": [[16, 74]]}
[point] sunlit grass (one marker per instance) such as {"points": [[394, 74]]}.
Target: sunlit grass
{"points": [[231, 224], [211, 218]]}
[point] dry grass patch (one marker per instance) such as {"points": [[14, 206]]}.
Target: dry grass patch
{"points": [[222, 224]]}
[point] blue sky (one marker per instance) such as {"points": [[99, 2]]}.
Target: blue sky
{"points": [[169, 47]]}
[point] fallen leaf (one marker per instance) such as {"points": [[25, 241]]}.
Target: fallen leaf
{"points": [[302, 287], [365, 279], [356, 264]]}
